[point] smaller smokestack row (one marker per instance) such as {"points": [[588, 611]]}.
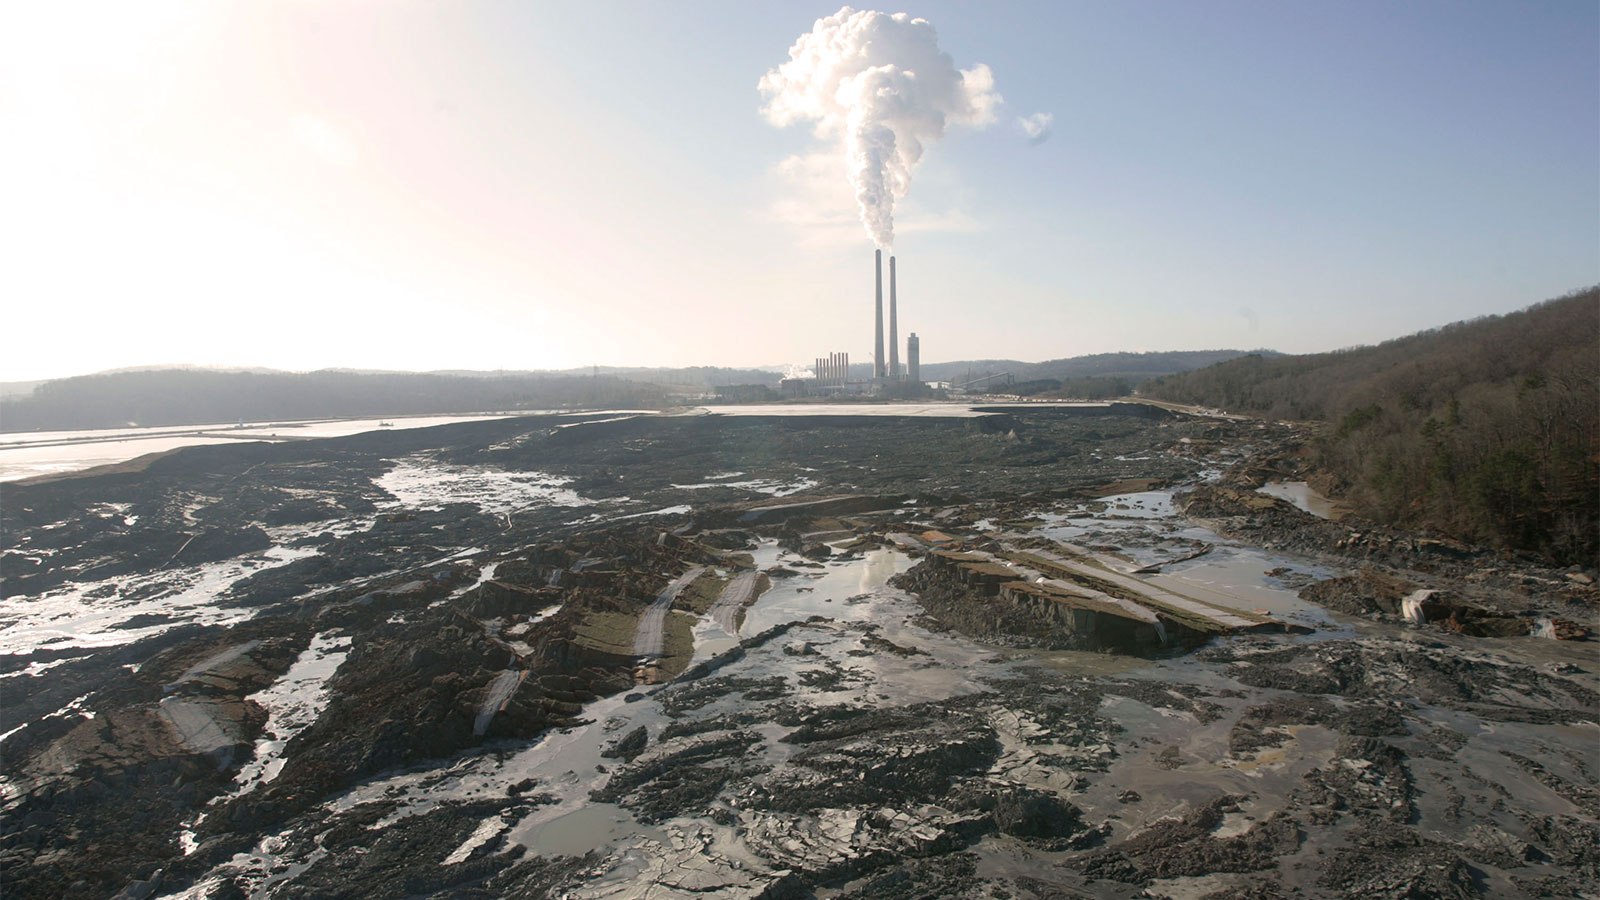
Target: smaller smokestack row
{"points": [[833, 370], [913, 359]]}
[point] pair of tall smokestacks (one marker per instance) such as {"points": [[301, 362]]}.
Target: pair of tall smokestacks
{"points": [[833, 370], [891, 369]]}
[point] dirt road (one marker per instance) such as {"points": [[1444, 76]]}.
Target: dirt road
{"points": [[735, 595], [650, 638]]}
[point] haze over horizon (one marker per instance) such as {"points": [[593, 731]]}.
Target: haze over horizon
{"points": [[495, 185]]}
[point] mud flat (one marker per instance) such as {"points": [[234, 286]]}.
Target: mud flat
{"points": [[1034, 653]]}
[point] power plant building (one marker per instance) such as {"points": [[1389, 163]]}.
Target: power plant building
{"points": [[833, 371]]}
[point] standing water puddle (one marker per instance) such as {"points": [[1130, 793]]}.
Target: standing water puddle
{"points": [[71, 617], [1301, 495], [419, 483], [292, 703]]}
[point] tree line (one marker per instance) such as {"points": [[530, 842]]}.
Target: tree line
{"points": [[201, 397], [1487, 429], [1088, 387]]}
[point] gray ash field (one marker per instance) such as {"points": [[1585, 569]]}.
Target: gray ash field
{"points": [[1042, 653]]}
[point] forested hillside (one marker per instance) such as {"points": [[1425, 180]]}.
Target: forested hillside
{"points": [[1131, 367], [200, 396], [1487, 429]]}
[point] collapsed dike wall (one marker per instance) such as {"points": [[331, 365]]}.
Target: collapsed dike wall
{"points": [[1006, 599], [993, 606]]}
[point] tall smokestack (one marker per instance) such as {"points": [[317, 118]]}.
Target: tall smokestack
{"points": [[894, 329], [877, 318]]}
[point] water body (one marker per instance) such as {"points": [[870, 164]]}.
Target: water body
{"points": [[1303, 496], [28, 454]]}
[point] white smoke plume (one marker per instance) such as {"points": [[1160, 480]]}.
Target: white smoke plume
{"points": [[880, 86], [1036, 126]]}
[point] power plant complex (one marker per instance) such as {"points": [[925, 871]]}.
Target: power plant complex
{"points": [[832, 372]]}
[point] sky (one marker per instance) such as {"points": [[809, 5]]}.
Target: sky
{"points": [[511, 185]]}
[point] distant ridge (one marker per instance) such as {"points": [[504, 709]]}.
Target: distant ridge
{"points": [[1132, 366], [204, 396]]}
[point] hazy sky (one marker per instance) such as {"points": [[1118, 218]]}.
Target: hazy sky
{"points": [[542, 185]]}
